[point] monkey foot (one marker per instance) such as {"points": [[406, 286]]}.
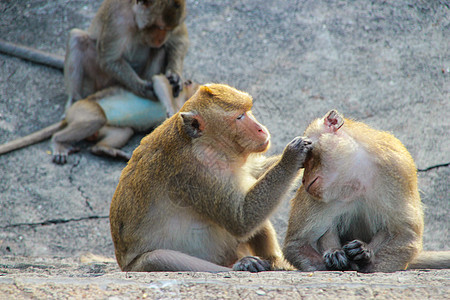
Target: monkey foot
{"points": [[358, 252], [109, 151], [252, 264], [60, 157], [336, 260]]}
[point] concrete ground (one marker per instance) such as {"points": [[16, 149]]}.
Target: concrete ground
{"points": [[386, 63]]}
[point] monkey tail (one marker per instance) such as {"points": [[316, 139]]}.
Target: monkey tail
{"points": [[33, 55], [431, 260], [32, 138]]}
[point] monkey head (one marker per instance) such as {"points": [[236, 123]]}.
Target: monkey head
{"points": [[338, 168], [219, 117], [156, 19], [325, 135]]}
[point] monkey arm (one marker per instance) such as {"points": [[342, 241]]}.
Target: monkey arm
{"points": [[259, 164], [177, 47], [110, 54], [308, 234], [226, 204]]}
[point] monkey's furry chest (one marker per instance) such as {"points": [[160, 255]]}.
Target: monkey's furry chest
{"points": [[128, 110]]}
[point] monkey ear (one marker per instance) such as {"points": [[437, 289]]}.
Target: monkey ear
{"points": [[333, 120], [206, 89], [193, 123]]}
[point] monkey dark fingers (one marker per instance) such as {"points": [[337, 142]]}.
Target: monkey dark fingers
{"points": [[336, 260], [353, 248], [175, 82], [59, 159], [148, 86]]}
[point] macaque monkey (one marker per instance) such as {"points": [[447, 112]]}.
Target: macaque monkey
{"points": [[187, 201], [110, 116], [359, 206], [127, 43]]}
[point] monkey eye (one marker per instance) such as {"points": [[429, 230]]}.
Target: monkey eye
{"points": [[241, 116]]}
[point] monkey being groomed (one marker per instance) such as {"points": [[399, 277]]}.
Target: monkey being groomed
{"points": [[197, 195], [359, 206], [110, 117]]}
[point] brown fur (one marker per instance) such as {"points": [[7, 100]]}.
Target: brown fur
{"points": [[187, 200], [359, 184]]}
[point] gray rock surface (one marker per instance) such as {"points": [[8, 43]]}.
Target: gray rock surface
{"points": [[69, 278], [386, 63]]}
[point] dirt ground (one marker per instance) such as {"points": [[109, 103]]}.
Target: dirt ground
{"points": [[386, 63]]}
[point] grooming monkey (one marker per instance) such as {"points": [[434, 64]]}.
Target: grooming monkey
{"points": [[359, 206], [127, 43], [187, 200], [110, 116]]}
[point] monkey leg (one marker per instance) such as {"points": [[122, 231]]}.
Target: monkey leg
{"points": [[82, 73], [113, 138], [84, 119], [264, 245], [164, 260], [395, 252]]}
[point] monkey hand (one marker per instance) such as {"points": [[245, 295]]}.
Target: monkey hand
{"points": [[252, 264], [145, 89], [336, 260], [175, 81], [358, 252], [296, 151]]}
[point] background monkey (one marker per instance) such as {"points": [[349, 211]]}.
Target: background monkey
{"points": [[359, 206], [110, 116], [187, 201], [127, 43]]}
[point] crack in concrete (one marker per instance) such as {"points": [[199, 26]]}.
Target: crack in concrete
{"points": [[434, 167], [71, 180], [54, 222]]}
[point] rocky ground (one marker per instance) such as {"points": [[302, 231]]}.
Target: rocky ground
{"points": [[69, 278], [386, 63]]}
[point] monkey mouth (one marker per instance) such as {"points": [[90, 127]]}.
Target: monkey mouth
{"points": [[264, 146]]}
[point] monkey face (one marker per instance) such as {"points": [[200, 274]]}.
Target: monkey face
{"points": [[157, 19], [252, 135], [312, 177], [155, 36]]}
